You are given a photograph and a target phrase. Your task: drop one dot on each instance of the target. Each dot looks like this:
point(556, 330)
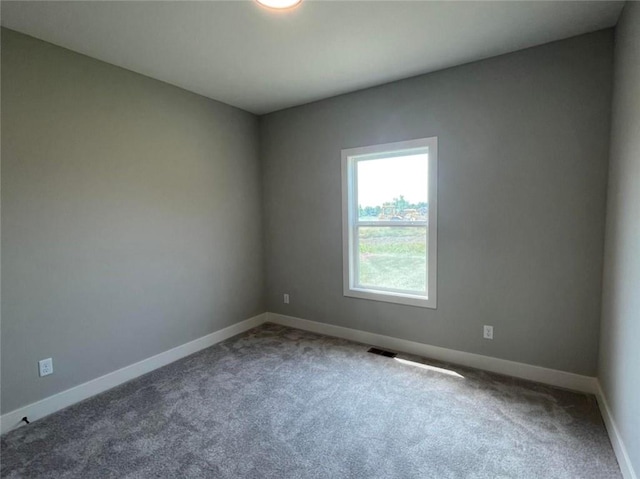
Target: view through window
point(389, 201)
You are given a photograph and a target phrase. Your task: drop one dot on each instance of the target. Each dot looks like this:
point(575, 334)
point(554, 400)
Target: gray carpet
point(282, 403)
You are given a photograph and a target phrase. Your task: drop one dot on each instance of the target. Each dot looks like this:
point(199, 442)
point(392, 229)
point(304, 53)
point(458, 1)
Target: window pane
point(393, 258)
point(393, 188)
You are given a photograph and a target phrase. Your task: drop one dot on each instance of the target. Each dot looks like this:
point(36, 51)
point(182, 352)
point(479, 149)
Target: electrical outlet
point(286, 298)
point(45, 366)
point(488, 332)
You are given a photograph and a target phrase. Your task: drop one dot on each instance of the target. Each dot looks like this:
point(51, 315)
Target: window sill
point(397, 298)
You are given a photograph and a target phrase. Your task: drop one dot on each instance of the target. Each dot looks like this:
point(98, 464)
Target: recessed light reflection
point(449, 372)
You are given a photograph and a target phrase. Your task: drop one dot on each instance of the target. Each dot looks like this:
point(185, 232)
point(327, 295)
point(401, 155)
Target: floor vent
point(382, 352)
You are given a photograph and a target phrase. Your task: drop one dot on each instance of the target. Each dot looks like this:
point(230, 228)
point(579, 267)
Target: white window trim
point(349, 217)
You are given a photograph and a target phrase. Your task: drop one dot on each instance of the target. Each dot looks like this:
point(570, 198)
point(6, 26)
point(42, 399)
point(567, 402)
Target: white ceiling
point(242, 54)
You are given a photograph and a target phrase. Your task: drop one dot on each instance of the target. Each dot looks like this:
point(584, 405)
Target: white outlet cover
point(286, 298)
point(45, 367)
point(488, 332)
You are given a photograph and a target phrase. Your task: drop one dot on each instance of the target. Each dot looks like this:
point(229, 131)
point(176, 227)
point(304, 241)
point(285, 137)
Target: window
point(389, 208)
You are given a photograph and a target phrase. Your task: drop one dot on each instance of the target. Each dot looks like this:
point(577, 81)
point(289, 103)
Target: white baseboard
point(83, 391)
point(539, 374)
point(614, 435)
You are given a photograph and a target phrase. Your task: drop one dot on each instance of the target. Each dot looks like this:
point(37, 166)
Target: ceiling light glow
point(279, 4)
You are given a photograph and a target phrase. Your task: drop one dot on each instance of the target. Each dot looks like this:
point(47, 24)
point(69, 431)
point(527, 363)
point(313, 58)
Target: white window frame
point(350, 220)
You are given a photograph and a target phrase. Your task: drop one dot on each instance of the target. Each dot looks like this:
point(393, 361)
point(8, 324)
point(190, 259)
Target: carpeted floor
point(282, 403)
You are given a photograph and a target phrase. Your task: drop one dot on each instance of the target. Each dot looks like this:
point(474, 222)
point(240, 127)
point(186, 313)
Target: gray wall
point(619, 368)
point(131, 217)
point(523, 148)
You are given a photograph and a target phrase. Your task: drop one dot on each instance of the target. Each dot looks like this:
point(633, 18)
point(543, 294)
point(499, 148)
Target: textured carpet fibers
point(282, 403)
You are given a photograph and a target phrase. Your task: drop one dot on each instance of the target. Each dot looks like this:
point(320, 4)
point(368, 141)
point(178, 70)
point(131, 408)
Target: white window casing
point(352, 223)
